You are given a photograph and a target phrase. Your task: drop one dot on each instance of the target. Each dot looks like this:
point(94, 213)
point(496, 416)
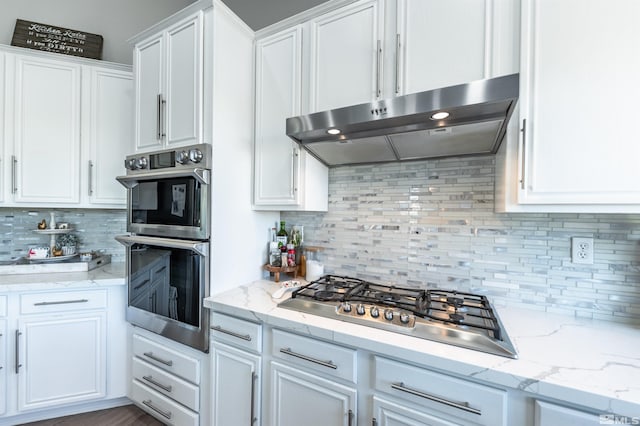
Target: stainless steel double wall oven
point(167, 251)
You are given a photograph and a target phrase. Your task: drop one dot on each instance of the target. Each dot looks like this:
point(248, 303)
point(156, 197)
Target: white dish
point(50, 259)
point(285, 287)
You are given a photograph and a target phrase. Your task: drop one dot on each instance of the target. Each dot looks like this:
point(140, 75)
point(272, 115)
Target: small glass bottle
point(282, 237)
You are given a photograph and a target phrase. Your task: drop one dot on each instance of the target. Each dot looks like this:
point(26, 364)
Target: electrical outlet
point(582, 250)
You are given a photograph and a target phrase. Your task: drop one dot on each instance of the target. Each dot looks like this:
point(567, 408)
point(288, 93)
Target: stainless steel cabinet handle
point(253, 418)
point(18, 365)
point(165, 414)
point(153, 381)
point(460, 405)
point(160, 360)
point(378, 70)
point(398, 63)
point(374, 422)
point(246, 337)
point(14, 177)
point(350, 418)
point(159, 116)
point(524, 141)
point(328, 364)
point(90, 177)
point(62, 302)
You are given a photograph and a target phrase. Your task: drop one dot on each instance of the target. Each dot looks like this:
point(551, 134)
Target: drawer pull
point(142, 284)
point(153, 381)
point(62, 302)
point(165, 414)
point(160, 270)
point(253, 417)
point(155, 358)
point(460, 405)
point(328, 364)
point(246, 337)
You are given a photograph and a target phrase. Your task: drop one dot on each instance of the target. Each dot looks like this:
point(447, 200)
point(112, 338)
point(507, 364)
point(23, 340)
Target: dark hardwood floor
point(128, 415)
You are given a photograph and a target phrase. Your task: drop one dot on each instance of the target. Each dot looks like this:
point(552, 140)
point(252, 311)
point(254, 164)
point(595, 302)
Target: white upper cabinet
point(46, 130)
point(574, 148)
point(110, 133)
point(346, 56)
point(168, 80)
point(285, 177)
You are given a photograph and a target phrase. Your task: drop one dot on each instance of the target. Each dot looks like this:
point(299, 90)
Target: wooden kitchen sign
point(33, 35)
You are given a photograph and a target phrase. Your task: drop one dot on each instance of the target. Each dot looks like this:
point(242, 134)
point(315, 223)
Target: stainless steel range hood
point(403, 129)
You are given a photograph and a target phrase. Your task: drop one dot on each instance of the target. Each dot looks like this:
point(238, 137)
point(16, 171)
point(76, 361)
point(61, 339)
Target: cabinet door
point(46, 131)
point(346, 56)
point(147, 63)
point(387, 413)
point(579, 86)
point(183, 92)
point(236, 386)
point(297, 395)
point(62, 358)
point(442, 43)
point(547, 414)
point(4, 344)
point(5, 161)
point(278, 73)
point(110, 134)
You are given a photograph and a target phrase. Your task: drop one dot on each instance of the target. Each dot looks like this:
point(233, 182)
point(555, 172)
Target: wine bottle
point(282, 237)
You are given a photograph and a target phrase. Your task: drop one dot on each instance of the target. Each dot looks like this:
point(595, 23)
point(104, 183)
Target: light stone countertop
point(594, 364)
point(112, 274)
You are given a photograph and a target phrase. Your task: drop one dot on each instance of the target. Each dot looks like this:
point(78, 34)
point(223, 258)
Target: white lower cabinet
point(166, 379)
point(54, 354)
point(236, 371)
point(301, 397)
point(388, 413)
point(548, 414)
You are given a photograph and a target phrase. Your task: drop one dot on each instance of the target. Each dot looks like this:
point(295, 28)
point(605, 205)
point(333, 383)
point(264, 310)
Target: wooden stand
point(278, 270)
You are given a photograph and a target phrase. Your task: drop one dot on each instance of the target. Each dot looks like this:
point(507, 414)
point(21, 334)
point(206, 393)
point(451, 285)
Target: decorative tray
point(50, 259)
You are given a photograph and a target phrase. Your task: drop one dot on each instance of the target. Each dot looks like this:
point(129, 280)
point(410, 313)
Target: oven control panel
point(185, 157)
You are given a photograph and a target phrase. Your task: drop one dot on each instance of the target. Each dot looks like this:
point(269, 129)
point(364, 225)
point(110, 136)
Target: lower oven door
point(167, 280)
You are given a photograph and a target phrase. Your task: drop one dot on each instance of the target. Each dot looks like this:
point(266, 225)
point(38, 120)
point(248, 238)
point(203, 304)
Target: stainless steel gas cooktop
point(452, 317)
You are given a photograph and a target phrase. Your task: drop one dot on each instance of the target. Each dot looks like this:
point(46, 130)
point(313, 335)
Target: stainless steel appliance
point(453, 317)
point(169, 192)
point(466, 119)
point(167, 253)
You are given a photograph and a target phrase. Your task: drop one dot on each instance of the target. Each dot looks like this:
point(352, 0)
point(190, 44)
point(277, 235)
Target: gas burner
point(456, 302)
point(456, 318)
point(327, 295)
point(386, 297)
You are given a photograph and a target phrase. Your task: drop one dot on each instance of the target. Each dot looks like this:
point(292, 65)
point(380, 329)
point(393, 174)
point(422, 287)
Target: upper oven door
point(167, 283)
point(169, 203)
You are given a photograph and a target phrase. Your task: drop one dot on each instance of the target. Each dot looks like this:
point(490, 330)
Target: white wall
point(115, 20)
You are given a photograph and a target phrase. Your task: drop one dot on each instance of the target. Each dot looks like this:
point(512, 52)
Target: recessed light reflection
point(334, 131)
point(439, 115)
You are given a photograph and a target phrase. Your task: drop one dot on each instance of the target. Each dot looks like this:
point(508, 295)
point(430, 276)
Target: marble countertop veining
point(112, 274)
point(591, 363)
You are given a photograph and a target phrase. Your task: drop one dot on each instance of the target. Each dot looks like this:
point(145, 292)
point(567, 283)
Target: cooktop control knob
point(141, 163)
point(130, 164)
point(374, 311)
point(360, 309)
point(195, 155)
point(388, 314)
point(346, 306)
point(404, 317)
point(183, 157)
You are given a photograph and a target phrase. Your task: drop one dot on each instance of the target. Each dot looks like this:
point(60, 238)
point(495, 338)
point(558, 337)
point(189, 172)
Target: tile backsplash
point(432, 224)
point(95, 230)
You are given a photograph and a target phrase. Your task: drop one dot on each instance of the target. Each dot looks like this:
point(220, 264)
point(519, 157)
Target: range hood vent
point(404, 129)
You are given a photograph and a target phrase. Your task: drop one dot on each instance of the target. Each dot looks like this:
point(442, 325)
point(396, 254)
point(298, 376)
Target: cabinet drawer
point(236, 332)
point(62, 301)
point(167, 384)
point(3, 306)
point(466, 400)
point(161, 407)
point(321, 356)
point(167, 359)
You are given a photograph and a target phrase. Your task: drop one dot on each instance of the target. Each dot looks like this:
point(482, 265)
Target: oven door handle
point(201, 175)
point(202, 248)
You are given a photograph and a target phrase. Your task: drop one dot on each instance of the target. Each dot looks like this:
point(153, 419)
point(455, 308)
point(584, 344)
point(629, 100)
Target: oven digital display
point(162, 160)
